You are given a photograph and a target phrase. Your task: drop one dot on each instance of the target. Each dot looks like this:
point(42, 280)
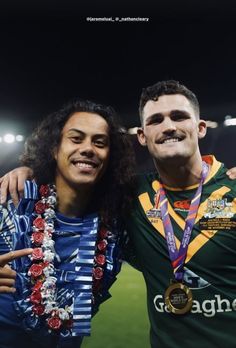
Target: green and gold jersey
point(210, 267)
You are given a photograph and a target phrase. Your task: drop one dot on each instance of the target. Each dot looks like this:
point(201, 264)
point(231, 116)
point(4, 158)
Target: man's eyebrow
point(172, 112)
point(153, 116)
point(179, 111)
point(71, 130)
point(75, 130)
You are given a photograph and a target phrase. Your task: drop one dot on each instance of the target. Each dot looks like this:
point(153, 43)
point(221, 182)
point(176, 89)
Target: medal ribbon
point(178, 257)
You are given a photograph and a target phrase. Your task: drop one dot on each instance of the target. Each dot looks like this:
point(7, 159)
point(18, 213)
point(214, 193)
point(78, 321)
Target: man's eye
point(180, 117)
point(154, 120)
point(100, 143)
point(76, 140)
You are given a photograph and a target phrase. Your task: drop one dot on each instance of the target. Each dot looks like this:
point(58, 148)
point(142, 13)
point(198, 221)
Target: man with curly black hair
point(70, 223)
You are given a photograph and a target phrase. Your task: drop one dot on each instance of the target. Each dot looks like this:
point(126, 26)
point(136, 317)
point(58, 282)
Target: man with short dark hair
point(183, 226)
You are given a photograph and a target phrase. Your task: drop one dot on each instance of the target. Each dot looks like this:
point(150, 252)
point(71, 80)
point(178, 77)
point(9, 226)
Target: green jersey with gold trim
point(210, 265)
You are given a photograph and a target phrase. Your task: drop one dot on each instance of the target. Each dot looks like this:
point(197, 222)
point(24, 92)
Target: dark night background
point(49, 53)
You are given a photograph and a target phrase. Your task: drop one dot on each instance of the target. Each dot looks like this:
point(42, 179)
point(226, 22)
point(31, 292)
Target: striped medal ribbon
point(178, 297)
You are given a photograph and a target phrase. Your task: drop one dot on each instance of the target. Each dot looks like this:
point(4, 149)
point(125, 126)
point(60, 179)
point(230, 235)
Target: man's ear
point(54, 153)
point(141, 137)
point(202, 129)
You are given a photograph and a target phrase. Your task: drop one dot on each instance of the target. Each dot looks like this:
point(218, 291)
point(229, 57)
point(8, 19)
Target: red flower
point(103, 233)
point(102, 245)
point(36, 297)
point(36, 270)
point(44, 190)
point(37, 254)
point(40, 207)
point(54, 323)
point(38, 309)
point(100, 259)
point(39, 223)
point(97, 272)
point(37, 238)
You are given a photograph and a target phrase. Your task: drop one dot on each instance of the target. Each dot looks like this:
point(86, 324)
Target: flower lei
point(41, 271)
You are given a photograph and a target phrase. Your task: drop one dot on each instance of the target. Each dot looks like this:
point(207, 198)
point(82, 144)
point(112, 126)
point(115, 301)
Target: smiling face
point(171, 129)
point(83, 153)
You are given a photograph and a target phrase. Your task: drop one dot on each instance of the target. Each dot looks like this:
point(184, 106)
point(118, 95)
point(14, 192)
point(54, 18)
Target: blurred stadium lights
point(229, 121)
point(133, 130)
point(19, 138)
point(211, 124)
point(10, 138)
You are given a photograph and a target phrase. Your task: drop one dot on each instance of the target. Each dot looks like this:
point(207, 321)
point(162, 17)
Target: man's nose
point(86, 148)
point(168, 125)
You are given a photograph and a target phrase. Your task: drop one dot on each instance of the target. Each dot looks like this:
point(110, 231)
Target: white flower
point(48, 255)
point(48, 243)
point(48, 270)
point(48, 294)
point(51, 200)
point(63, 315)
point(50, 283)
point(49, 226)
point(49, 213)
point(49, 307)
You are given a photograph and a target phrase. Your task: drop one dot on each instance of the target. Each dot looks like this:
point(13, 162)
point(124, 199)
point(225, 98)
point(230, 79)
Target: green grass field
point(122, 320)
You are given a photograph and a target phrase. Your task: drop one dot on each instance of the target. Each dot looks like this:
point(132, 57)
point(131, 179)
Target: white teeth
point(83, 165)
point(172, 140)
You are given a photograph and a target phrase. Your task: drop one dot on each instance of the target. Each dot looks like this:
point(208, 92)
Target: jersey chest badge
point(219, 215)
point(154, 213)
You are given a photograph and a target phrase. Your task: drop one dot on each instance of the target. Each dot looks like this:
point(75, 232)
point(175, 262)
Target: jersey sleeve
point(7, 231)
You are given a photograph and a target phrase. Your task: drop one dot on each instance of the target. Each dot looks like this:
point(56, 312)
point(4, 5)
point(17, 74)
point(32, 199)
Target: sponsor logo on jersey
point(193, 281)
point(182, 205)
point(207, 308)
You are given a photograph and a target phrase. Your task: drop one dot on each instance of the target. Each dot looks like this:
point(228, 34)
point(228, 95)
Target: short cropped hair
point(166, 88)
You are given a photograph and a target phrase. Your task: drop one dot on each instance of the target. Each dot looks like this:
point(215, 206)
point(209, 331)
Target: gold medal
point(178, 298)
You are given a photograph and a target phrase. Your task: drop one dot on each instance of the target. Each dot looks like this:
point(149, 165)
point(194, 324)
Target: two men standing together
point(186, 252)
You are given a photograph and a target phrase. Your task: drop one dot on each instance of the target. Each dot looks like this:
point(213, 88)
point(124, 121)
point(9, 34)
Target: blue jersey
point(75, 243)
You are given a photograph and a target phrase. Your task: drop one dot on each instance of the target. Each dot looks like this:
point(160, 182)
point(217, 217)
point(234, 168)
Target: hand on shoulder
point(232, 173)
point(13, 183)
